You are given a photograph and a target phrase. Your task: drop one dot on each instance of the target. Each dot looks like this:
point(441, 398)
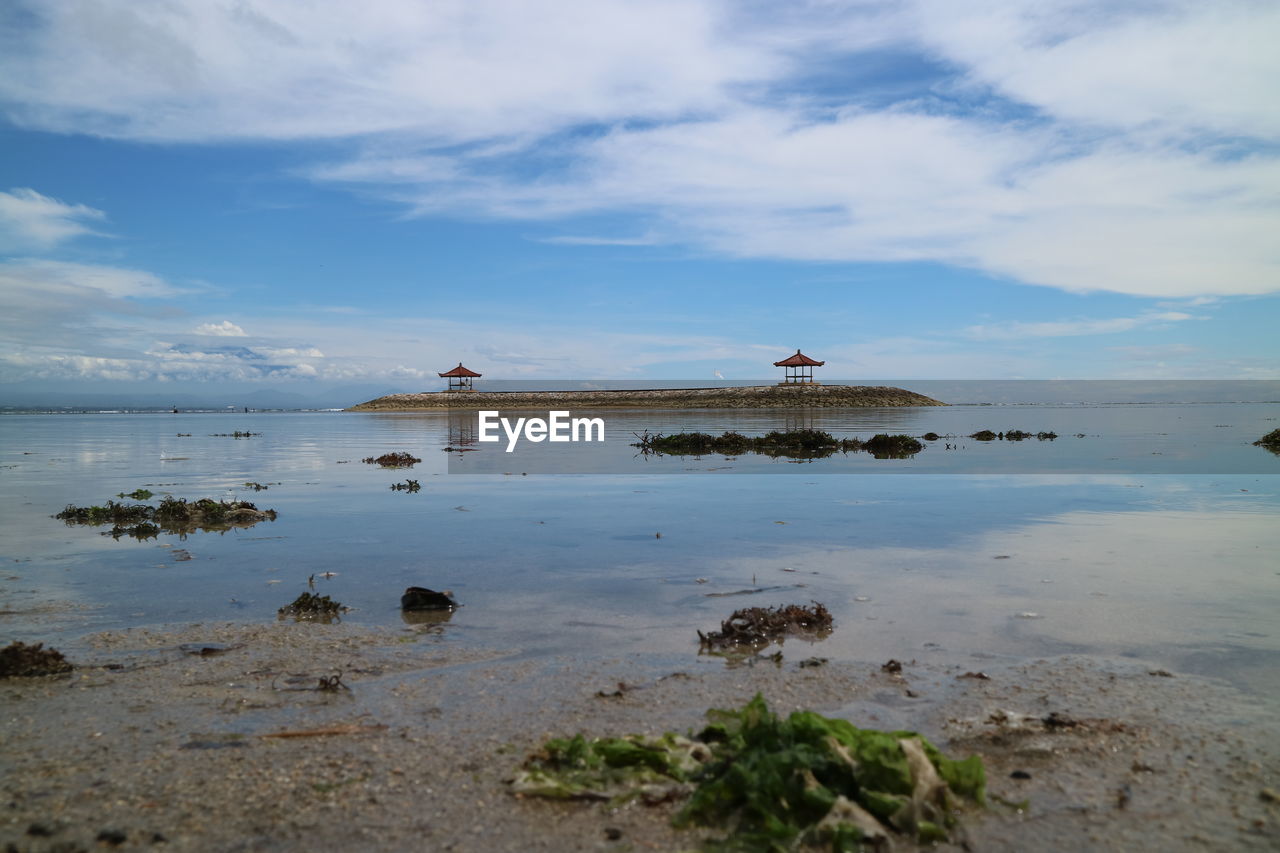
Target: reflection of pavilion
point(462, 429)
point(797, 419)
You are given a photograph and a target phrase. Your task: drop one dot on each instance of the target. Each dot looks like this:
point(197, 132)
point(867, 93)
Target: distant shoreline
point(747, 397)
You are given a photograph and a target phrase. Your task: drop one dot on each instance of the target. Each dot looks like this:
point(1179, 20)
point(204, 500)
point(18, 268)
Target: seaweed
point(311, 606)
point(756, 627)
point(112, 513)
point(883, 446)
point(799, 443)
point(393, 460)
point(652, 769)
point(406, 486)
point(138, 494)
point(236, 434)
point(21, 660)
point(1013, 435)
point(173, 515)
point(773, 783)
point(1270, 441)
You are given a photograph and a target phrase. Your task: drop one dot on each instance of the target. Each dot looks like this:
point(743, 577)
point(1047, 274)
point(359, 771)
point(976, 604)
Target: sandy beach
point(148, 744)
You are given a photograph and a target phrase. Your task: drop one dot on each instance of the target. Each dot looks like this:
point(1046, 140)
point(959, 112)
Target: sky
point(296, 194)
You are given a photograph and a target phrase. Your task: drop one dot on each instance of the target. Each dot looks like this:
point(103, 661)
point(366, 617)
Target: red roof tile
point(798, 360)
point(460, 371)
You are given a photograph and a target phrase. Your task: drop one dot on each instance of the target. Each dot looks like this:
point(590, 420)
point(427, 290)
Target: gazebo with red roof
point(799, 369)
point(460, 378)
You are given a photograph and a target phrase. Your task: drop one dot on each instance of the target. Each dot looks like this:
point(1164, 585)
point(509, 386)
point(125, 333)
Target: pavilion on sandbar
point(799, 369)
point(460, 378)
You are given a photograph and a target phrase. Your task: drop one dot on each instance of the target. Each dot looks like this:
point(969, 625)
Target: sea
point(1146, 530)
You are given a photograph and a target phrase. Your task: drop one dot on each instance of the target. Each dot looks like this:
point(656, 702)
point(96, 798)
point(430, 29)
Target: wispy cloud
point(1072, 328)
point(569, 240)
point(32, 221)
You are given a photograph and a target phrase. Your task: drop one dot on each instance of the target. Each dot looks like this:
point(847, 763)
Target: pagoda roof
point(459, 371)
point(798, 360)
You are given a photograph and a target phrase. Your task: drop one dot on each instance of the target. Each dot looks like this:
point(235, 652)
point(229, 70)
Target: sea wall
point(749, 397)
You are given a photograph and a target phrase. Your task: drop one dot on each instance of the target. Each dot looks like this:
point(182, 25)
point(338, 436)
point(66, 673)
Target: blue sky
point(290, 195)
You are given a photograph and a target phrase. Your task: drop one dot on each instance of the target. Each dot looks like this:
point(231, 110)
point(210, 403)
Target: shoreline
point(194, 751)
point(745, 397)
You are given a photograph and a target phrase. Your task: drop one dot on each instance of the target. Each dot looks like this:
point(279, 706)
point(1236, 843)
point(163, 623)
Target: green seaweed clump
point(20, 660)
point(773, 783)
point(138, 494)
point(312, 606)
point(173, 515)
point(1270, 441)
point(651, 769)
point(984, 435)
point(112, 513)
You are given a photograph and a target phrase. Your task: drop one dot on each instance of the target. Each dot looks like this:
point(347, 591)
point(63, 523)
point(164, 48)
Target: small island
point(747, 397)
point(797, 390)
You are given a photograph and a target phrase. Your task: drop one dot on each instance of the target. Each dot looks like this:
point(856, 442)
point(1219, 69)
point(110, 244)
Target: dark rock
point(112, 837)
point(421, 598)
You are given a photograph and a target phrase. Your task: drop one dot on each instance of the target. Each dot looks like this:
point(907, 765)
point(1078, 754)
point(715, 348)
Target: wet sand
point(150, 745)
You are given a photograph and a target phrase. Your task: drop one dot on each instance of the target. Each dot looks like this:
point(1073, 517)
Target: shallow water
point(954, 563)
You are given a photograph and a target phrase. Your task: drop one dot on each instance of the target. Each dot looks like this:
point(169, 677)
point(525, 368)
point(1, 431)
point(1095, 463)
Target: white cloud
point(48, 303)
point(1015, 201)
point(449, 70)
point(1177, 66)
point(30, 220)
point(1072, 328)
point(1077, 144)
point(224, 329)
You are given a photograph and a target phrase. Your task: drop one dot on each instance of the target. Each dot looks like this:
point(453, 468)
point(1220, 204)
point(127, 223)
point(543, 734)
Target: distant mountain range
point(979, 391)
point(192, 397)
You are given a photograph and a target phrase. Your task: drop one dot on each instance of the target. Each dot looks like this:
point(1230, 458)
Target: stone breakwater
point(749, 397)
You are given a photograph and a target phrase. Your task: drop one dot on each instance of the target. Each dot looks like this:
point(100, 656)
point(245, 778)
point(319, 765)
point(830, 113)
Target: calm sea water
point(1154, 535)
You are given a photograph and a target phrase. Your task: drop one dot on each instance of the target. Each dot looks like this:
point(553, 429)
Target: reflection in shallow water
point(1177, 570)
point(426, 617)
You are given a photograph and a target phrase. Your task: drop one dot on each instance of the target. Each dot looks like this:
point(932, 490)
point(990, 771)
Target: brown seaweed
point(21, 660)
point(756, 627)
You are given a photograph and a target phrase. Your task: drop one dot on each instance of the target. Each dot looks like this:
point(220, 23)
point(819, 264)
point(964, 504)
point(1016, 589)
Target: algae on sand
point(19, 660)
point(773, 783)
